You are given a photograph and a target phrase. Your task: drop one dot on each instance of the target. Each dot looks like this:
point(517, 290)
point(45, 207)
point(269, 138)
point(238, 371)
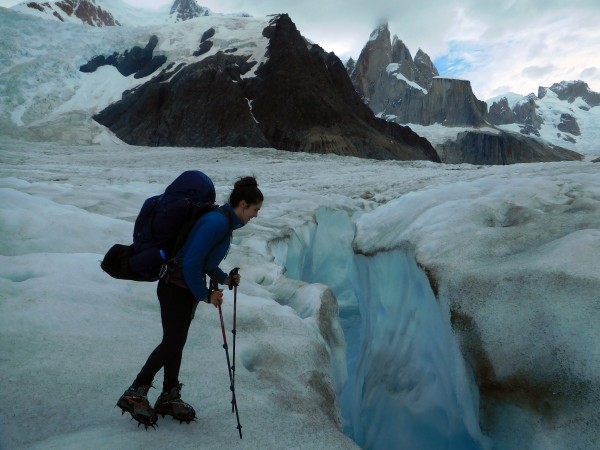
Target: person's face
point(248, 211)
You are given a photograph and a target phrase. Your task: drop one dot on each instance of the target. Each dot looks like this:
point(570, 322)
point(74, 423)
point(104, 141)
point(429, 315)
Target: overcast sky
point(500, 46)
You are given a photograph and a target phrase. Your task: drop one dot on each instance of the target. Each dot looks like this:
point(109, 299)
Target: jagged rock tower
point(407, 90)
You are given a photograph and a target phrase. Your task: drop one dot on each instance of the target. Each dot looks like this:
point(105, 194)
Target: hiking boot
point(135, 401)
point(170, 403)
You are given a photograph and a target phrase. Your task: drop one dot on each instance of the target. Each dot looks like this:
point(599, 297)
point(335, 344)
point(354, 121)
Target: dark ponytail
point(245, 188)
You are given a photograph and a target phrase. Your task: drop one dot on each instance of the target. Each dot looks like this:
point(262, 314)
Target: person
point(203, 251)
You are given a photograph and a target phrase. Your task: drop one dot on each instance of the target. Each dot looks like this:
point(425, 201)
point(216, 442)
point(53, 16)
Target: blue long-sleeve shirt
point(205, 248)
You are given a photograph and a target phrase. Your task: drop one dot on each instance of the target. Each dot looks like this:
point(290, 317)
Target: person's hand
point(216, 298)
point(232, 280)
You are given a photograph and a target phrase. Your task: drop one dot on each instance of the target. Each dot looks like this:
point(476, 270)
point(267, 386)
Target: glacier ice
point(406, 383)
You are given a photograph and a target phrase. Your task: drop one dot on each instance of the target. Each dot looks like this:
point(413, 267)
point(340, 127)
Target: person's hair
point(245, 188)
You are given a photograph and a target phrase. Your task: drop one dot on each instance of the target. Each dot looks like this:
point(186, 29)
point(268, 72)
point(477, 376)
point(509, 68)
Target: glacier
point(497, 262)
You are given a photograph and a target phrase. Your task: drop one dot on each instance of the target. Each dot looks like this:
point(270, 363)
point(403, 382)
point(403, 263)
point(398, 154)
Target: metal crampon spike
point(146, 425)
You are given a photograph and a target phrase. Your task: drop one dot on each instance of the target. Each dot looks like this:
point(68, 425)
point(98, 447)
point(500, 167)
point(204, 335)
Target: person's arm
point(206, 235)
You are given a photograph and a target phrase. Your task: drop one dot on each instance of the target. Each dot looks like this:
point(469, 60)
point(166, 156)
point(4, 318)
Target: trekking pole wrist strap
point(212, 286)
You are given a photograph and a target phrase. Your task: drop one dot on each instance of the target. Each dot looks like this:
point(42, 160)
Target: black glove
point(232, 281)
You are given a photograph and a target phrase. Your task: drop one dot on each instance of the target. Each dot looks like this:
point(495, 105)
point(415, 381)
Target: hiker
point(204, 249)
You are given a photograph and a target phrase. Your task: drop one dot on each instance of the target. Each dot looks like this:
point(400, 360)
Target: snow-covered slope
point(44, 96)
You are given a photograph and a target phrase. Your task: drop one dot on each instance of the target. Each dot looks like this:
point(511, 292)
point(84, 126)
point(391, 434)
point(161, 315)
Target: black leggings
point(176, 305)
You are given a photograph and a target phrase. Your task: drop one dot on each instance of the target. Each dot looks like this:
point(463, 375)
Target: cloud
point(590, 72)
point(499, 90)
point(539, 47)
point(537, 72)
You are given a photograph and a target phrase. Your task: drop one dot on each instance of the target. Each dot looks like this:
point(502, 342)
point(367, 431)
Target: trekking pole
point(233, 285)
point(231, 386)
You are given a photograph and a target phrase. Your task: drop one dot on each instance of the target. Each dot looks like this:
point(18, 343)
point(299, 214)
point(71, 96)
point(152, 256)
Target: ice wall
point(411, 386)
point(406, 384)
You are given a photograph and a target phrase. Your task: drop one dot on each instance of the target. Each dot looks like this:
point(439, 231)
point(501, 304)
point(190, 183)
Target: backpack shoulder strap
point(183, 235)
point(186, 228)
point(227, 214)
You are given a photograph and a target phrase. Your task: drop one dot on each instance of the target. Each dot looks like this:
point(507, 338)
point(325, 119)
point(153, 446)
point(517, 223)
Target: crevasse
point(406, 384)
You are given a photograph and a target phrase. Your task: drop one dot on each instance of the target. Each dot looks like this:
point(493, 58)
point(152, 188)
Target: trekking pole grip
point(232, 282)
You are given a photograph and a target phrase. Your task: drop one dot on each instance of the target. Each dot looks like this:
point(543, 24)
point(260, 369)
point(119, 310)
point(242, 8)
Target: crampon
point(135, 402)
point(170, 403)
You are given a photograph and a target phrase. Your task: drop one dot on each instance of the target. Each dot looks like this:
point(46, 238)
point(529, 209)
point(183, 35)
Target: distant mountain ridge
point(105, 13)
point(214, 80)
point(87, 11)
point(299, 99)
point(566, 113)
point(411, 92)
point(394, 86)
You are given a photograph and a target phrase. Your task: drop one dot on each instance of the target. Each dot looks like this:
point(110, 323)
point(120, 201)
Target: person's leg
point(175, 311)
point(176, 314)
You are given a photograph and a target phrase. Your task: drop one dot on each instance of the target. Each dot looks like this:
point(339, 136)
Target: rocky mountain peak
point(85, 10)
point(410, 91)
point(350, 65)
point(297, 98)
point(571, 90)
point(374, 58)
point(405, 90)
point(401, 56)
point(544, 115)
point(523, 113)
point(187, 9)
point(425, 70)
point(381, 33)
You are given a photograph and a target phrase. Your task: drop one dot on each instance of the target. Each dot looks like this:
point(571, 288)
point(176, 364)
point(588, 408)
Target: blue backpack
point(161, 228)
